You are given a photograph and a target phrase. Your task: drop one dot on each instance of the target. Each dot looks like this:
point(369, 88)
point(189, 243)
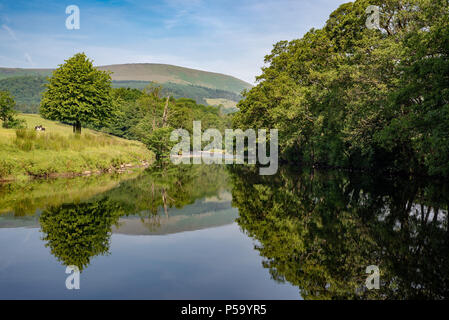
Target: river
point(217, 232)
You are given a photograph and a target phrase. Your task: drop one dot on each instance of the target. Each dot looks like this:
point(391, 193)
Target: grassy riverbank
point(57, 151)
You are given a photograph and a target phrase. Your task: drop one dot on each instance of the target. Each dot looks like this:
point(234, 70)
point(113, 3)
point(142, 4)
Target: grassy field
point(227, 104)
point(27, 153)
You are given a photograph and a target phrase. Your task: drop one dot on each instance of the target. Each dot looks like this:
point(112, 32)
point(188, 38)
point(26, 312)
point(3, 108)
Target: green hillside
point(27, 91)
point(200, 94)
point(18, 72)
point(161, 73)
point(164, 73)
point(26, 85)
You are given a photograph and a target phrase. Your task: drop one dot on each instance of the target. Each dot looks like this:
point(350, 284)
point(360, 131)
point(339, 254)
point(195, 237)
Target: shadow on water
point(320, 230)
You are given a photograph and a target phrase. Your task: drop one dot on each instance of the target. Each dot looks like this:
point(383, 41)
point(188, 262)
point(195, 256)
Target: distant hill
point(27, 91)
point(18, 72)
point(161, 73)
point(164, 73)
point(202, 95)
point(26, 85)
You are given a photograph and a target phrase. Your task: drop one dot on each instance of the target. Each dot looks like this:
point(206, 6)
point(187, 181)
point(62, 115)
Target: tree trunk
point(154, 117)
point(164, 117)
point(77, 127)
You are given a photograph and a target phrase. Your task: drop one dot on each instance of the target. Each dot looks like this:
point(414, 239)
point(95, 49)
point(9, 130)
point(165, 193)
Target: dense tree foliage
point(78, 93)
point(7, 104)
point(149, 116)
point(320, 230)
point(177, 90)
point(350, 96)
point(7, 112)
point(26, 90)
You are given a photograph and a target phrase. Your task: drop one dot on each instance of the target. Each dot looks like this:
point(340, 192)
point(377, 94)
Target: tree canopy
point(349, 96)
point(7, 112)
point(149, 116)
point(7, 104)
point(78, 93)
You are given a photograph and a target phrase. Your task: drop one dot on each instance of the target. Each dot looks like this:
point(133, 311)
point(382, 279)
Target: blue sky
point(226, 36)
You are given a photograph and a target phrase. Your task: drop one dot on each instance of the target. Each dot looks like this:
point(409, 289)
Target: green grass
point(229, 105)
point(27, 153)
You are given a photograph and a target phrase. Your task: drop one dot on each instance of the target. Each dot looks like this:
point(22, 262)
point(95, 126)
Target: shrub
point(26, 134)
point(5, 168)
point(14, 123)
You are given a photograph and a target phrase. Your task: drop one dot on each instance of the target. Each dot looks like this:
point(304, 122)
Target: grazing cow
point(39, 128)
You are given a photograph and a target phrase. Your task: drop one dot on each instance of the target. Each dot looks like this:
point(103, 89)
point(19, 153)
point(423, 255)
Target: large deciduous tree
point(350, 96)
point(78, 93)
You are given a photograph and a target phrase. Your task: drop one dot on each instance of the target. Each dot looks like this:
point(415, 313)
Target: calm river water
point(215, 232)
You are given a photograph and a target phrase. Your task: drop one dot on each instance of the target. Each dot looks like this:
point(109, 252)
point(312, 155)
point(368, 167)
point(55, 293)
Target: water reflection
point(320, 230)
point(78, 216)
point(77, 232)
point(317, 231)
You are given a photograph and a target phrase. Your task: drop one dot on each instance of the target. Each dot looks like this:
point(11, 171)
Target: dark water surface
point(211, 232)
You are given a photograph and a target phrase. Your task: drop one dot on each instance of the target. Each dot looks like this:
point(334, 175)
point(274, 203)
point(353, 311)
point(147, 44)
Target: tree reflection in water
point(78, 231)
point(320, 230)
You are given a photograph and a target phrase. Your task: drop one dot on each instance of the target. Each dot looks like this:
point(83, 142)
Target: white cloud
point(10, 31)
point(229, 37)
